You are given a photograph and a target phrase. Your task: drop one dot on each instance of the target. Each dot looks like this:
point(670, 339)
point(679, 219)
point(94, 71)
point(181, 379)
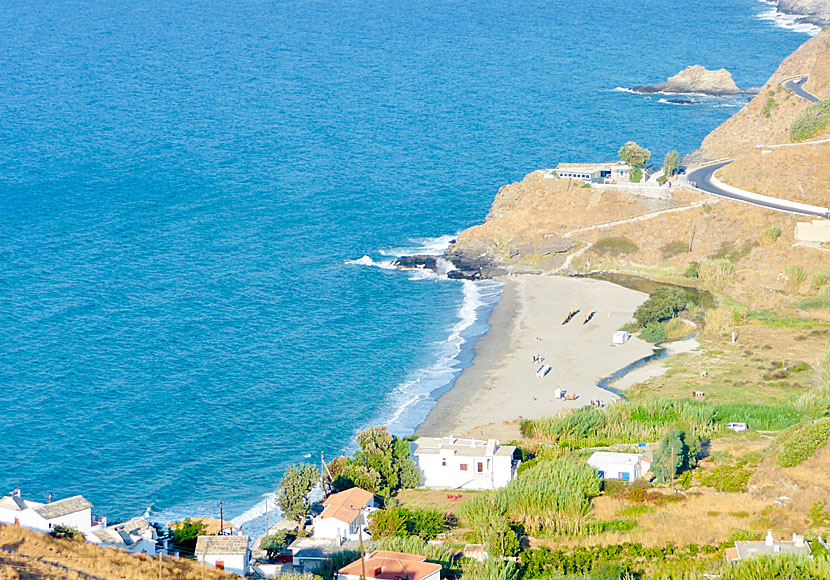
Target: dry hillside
point(30, 555)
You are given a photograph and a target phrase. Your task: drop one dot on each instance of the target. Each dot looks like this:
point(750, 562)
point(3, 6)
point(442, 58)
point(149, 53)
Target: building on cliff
point(451, 463)
point(610, 172)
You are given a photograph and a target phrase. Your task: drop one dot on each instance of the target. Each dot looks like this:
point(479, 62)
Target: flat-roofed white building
point(612, 171)
point(452, 463)
point(624, 466)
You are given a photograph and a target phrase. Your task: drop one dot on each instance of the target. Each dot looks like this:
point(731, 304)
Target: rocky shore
point(813, 11)
point(699, 80)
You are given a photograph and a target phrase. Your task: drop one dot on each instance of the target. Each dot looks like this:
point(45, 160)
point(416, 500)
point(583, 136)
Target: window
point(443, 462)
point(488, 465)
point(480, 467)
point(463, 467)
point(220, 565)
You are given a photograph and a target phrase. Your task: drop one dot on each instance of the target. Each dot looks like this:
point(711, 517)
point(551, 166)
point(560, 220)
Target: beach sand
point(501, 387)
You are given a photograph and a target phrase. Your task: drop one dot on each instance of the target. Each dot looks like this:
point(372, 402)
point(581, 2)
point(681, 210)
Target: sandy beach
point(501, 387)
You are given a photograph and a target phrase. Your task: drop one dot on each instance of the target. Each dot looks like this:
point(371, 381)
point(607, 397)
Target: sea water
point(199, 203)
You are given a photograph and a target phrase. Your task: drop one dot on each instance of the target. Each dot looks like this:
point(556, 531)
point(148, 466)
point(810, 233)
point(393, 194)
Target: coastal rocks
point(696, 79)
point(410, 262)
point(812, 11)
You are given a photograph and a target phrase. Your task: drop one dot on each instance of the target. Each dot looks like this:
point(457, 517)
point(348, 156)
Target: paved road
point(796, 85)
point(701, 178)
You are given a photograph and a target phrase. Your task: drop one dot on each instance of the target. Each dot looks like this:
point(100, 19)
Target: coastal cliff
point(814, 11)
point(695, 79)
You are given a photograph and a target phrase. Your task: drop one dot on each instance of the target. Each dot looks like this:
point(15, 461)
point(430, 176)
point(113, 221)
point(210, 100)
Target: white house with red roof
point(385, 565)
point(345, 515)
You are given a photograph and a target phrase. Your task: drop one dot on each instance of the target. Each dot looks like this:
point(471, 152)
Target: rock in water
point(428, 262)
point(696, 79)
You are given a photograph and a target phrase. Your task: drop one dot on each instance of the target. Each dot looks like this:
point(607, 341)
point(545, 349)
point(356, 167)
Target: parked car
point(736, 427)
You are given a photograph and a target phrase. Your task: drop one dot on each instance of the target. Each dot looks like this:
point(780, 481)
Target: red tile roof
point(346, 505)
point(391, 566)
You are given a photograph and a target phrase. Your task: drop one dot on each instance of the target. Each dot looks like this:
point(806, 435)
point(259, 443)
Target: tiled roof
point(391, 566)
point(221, 545)
point(346, 505)
point(732, 554)
point(62, 507)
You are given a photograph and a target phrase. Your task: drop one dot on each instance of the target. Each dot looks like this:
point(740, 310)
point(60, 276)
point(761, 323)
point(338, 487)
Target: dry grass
point(35, 556)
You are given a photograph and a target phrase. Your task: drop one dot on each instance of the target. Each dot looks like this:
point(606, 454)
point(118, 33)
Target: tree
point(186, 532)
point(663, 304)
point(382, 465)
point(672, 457)
point(633, 154)
point(670, 163)
point(292, 495)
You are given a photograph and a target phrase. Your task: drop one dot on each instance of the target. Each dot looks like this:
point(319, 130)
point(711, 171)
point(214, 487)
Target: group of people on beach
point(537, 358)
point(597, 403)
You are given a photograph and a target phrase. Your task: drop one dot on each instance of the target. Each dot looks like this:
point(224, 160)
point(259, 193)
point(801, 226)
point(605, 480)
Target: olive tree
point(633, 154)
point(292, 495)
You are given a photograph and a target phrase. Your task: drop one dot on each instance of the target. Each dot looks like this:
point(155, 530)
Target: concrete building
point(73, 512)
point(308, 554)
point(816, 231)
point(610, 172)
point(769, 547)
point(345, 516)
point(623, 466)
point(390, 566)
point(451, 463)
point(229, 553)
point(135, 536)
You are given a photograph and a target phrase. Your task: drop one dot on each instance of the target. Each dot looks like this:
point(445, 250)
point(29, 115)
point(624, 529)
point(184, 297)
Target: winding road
point(796, 85)
point(703, 178)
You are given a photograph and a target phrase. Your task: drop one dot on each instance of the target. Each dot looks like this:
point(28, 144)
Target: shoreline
point(501, 388)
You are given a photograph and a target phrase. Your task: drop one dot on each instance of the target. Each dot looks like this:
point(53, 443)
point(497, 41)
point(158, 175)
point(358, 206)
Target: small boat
point(543, 370)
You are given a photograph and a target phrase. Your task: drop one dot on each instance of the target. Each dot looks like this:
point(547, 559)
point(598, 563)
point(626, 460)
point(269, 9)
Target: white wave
point(421, 247)
point(789, 21)
point(729, 105)
point(368, 261)
point(258, 511)
point(410, 401)
point(625, 90)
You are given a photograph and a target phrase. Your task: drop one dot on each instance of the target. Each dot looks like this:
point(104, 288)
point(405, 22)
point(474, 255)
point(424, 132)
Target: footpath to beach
point(501, 386)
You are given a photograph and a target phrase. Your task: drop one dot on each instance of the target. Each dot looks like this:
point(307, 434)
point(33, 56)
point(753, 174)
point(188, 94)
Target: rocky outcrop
point(696, 79)
point(812, 11)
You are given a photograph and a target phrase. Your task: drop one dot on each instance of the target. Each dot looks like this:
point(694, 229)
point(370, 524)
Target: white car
point(736, 427)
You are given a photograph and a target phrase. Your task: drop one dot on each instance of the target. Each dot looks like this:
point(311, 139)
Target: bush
point(769, 235)
point(636, 175)
point(727, 478)
point(820, 279)
point(810, 121)
point(614, 246)
point(61, 531)
point(693, 271)
point(654, 332)
point(663, 304)
point(803, 442)
point(186, 532)
point(796, 275)
point(716, 272)
point(769, 106)
point(674, 248)
point(276, 543)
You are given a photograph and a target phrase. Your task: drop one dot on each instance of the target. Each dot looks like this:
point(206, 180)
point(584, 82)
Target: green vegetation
point(381, 465)
point(674, 456)
point(796, 275)
point(654, 332)
point(636, 175)
point(633, 154)
point(769, 105)
point(438, 553)
point(810, 121)
point(803, 442)
point(674, 248)
point(62, 531)
point(295, 485)
point(780, 567)
point(400, 521)
point(716, 272)
point(769, 235)
point(185, 534)
point(662, 304)
point(693, 270)
point(614, 246)
point(728, 251)
point(820, 279)
point(277, 542)
point(670, 163)
point(487, 516)
point(824, 368)
point(490, 569)
point(728, 475)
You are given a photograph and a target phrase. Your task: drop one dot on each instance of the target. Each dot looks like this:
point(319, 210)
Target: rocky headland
point(698, 80)
point(813, 11)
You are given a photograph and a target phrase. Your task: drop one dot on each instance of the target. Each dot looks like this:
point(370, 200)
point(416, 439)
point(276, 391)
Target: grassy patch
point(674, 248)
point(614, 246)
point(776, 320)
point(810, 121)
point(800, 445)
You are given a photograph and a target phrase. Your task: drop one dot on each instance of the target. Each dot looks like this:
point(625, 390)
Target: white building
point(769, 547)
point(390, 566)
point(624, 466)
point(610, 172)
point(451, 463)
point(229, 553)
point(345, 515)
point(73, 512)
point(135, 536)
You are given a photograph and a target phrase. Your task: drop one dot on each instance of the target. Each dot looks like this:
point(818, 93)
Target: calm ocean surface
point(188, 191)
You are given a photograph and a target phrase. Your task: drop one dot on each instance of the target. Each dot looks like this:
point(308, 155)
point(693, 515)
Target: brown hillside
point(750, 126)
point(30, 555)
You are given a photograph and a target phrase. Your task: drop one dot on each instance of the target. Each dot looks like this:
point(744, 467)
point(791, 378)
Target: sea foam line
point(788, 21)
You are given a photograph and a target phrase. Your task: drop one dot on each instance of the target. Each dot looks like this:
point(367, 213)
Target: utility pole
point(362, 552)
point(221, 518)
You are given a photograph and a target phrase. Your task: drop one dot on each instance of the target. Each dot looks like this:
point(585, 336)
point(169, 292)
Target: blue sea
point(200, 201)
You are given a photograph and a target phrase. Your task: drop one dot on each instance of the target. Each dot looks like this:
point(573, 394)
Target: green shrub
point(277, 542)
point(654, 332)
point(769, 106)
point(796, 275)
point(769, 235)
point(757, 417)
point(614, 246)
point(727, 478)
point(62, 531)
point(399, 521)
point(716, 272)
point(693, 271)
point(820, 279)
point(803, 442)
point(662, 304)
point(636, 175)
point(810, 121)
point(674, 248)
